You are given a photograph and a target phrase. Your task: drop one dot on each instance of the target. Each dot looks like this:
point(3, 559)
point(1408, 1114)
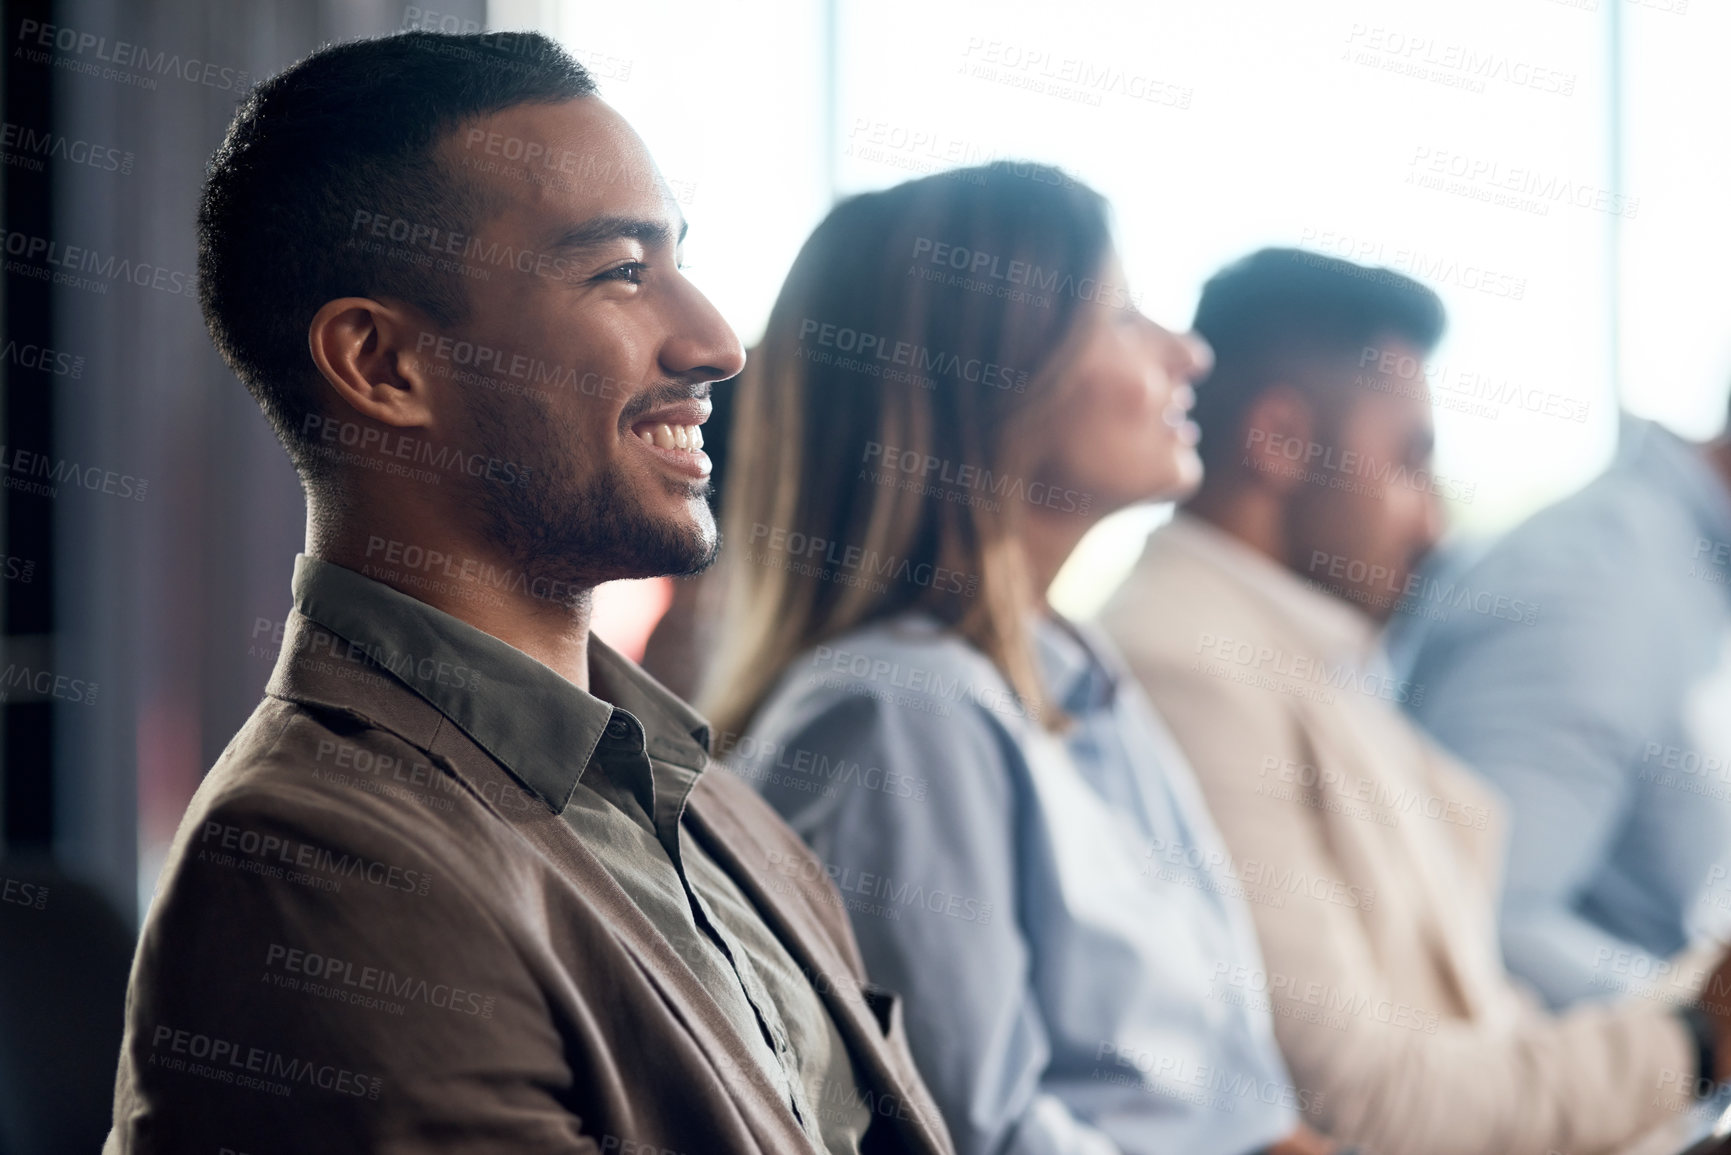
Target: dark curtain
point(161, 547)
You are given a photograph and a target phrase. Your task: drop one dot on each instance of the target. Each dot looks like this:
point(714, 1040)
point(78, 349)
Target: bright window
point(1468, 144)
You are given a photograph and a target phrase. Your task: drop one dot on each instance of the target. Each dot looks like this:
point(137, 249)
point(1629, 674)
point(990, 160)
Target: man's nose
point(702, 346)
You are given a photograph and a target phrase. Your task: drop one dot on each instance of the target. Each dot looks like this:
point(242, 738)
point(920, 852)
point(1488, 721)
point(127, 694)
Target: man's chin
point(1187, 474)
point(700, 559)
point(603, 535)
point(1373, 603)
point(675, 547)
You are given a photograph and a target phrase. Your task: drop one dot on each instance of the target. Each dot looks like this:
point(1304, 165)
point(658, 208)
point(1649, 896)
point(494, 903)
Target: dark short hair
point(352, 128)
point(1278, 310)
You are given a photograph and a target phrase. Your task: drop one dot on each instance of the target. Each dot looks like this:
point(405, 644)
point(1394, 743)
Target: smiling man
point(464, 882)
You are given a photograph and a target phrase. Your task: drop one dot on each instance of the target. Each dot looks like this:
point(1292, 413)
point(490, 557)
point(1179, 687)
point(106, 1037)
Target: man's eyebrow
point(600, 230)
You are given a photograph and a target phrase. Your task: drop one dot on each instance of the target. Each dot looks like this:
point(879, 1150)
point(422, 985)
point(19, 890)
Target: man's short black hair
point(351, 129)
point(1278, 312)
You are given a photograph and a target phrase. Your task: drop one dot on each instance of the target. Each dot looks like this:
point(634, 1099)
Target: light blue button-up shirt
point(1602, 709)
point(1058, 910)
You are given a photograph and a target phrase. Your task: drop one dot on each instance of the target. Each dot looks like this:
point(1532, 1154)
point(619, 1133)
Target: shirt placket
point(775, 1031)
point(665, 808)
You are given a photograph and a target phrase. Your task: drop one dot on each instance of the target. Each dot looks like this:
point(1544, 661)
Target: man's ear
point(1279, 440)
point(366, 351)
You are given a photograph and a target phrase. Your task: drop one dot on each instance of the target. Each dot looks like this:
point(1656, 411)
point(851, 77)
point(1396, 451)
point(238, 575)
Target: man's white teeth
point(667, 436)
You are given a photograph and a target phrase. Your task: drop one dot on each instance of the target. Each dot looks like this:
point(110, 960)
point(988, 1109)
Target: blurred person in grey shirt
point(1603, 713)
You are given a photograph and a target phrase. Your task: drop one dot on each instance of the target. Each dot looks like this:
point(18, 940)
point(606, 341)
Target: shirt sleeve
point(338, 1006)
point(1541, 705)
point(916, 824)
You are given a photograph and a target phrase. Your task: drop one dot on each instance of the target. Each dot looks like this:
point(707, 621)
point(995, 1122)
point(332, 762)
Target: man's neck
point(1251, 518)
point(473, 583)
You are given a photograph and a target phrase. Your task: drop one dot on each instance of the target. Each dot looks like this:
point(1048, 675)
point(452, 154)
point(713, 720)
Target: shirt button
point(617, 728)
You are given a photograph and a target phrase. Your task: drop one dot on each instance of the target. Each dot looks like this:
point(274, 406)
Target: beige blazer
point(1370, 861)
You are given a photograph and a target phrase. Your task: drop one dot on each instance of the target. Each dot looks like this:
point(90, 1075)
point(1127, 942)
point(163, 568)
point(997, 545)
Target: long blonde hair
point(877, 458)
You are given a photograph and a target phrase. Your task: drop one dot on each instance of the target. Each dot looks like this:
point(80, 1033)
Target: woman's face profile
point(1120, 432)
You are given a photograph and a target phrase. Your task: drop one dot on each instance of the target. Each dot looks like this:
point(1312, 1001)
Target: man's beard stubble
point(553, 525)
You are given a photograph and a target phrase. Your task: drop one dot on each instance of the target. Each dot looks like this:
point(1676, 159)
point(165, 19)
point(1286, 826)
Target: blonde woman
point(954, 386)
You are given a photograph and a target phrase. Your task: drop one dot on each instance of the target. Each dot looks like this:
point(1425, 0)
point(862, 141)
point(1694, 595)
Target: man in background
point(1603, 714)
point(1370, 857)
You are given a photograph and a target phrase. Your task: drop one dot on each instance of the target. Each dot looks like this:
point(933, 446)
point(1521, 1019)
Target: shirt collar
point(1338, 630)
point(538, 724)
point(1075, 666)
